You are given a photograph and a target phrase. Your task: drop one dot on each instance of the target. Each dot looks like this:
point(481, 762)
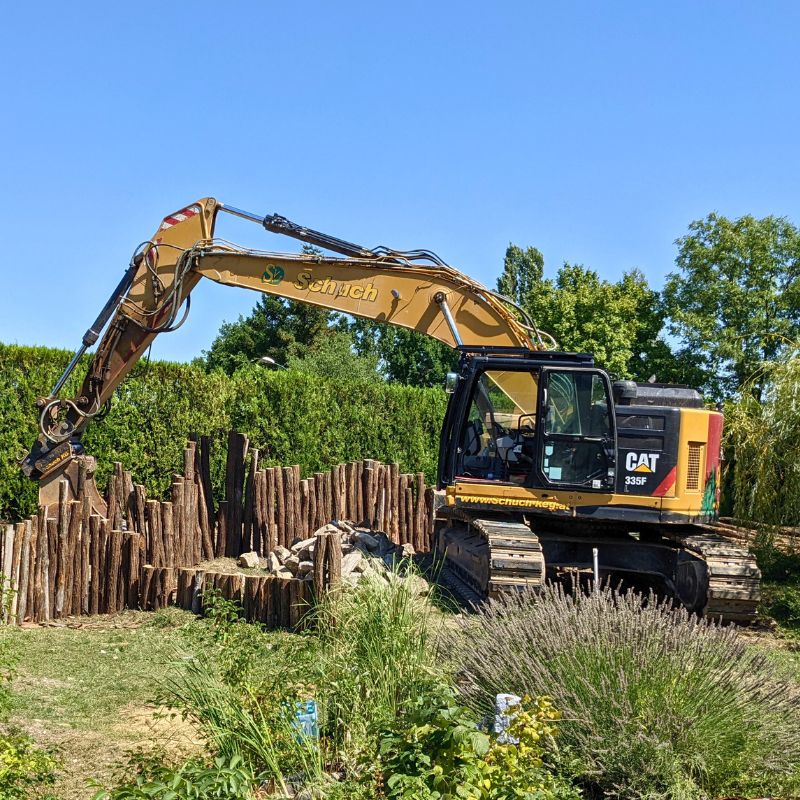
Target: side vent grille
point(693, 469)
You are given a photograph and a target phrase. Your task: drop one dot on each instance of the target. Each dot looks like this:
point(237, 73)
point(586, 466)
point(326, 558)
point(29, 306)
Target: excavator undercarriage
point(692, 565)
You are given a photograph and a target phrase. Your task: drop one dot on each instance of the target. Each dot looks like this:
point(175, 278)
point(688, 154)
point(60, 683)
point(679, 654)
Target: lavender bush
point(657, 703)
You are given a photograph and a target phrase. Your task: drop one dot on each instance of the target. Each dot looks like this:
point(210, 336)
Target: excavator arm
point(415, 290)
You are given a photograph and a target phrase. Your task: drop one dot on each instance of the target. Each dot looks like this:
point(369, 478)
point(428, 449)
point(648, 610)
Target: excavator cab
point(530, 419)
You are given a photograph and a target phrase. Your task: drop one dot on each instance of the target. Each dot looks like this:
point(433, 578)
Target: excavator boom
point(414, 290)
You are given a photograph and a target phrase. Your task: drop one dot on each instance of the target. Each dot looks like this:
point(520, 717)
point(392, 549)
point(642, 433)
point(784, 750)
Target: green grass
point(88, 691)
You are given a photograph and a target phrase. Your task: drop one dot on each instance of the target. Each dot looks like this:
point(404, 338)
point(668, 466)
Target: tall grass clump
point(656, 703)
point(377, 651)
point(763, 435)
point(369, 651)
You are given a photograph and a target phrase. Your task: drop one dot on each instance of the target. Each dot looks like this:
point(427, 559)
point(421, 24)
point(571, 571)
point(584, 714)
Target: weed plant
point(376, 653)
point(370, 651)
point(656, 703)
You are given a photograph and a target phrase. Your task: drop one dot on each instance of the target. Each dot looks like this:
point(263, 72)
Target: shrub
point(25, 769)
point(439, 753)
point(240, 690)
point(220, 779)
point(763, 434)
point(292, 417)
point(656, 703)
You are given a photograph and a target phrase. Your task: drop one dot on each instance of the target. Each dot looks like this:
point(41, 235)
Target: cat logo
point(641, 462)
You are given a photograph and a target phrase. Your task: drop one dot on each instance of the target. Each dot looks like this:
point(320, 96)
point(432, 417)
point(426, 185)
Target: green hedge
point(292, 418)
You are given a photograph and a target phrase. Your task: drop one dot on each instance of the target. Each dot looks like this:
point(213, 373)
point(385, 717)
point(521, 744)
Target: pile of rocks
point(364, 551)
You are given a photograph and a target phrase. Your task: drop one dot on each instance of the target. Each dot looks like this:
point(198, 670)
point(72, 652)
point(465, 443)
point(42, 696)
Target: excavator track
point(486, 556)
point(734, 579)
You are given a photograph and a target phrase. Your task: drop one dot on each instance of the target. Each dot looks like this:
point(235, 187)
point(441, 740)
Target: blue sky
point(594, 131)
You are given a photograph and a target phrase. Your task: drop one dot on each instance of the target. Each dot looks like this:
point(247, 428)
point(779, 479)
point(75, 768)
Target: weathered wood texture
point(65, 560)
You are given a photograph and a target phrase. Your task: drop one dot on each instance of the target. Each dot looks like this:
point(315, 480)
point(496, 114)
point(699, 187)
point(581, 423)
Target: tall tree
point(274, 328)
point(404, 356)
point(618, 322)
point(734, 302)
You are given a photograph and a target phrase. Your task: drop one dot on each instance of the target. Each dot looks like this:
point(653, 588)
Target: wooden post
point(250, 492)
point(155, 553)
point(8, 559)
point(168, 533)
point(280, 507)
point(429, 519)
point(129, 493)
point(401, 510)
point(368, 483)
point(114, 565)
point(350, 502)
point(86, 556)
point(272, 533)
point(25, 572)
point(312, 506)
point(74, 588)
point(197, 592)
point(394, 487)
point(146, 591)
point(94, 564)
point(320, 564)
point(206, 532)
point(319, 499)
point(222, 529)
point(288, 489)
point(103, 571)
point(328, 496)
point(358, 475)
point(112, 499)
point(42, 580)
point(174, 544)
point(334, 560)
point(59, 564)
point(409, 511)
point(299, 528)
point(16, 567)
point(420, 526)
point(304, 508)
point(338, 511)
point(141, 503)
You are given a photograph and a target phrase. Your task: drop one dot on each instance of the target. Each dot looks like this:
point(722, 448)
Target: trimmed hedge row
point(292, 418)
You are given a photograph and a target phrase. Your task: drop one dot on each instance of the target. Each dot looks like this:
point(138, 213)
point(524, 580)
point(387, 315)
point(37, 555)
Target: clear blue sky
point(595, 131)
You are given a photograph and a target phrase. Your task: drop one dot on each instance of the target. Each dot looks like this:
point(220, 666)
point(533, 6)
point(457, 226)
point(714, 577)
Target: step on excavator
point(544, 462)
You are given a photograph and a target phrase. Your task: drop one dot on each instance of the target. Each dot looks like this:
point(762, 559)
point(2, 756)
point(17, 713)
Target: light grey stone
point(273, 563)
point(282, 552)
point(249, 560)
point(350, 562)
point(304, 567)
point(292, 564)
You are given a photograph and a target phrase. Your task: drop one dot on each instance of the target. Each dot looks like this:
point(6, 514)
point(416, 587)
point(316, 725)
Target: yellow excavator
point(547, 469)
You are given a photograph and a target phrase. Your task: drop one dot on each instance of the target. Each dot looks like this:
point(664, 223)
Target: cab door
point(577, 442)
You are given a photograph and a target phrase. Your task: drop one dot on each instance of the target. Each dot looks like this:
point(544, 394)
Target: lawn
point(87, 689)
